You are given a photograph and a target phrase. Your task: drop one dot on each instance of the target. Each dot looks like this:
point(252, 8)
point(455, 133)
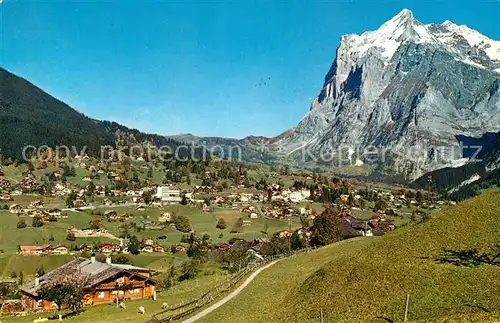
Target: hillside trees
point(326, 227)
point(221, 224)
point(380, 205)
point(37, 222)
point(182, 223)
point(238, 226)
point(21, 224)
point(68, 290)
point(134, 245)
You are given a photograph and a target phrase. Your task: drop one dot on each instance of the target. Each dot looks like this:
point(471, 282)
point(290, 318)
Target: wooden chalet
point(109, 247)
point(106, 283)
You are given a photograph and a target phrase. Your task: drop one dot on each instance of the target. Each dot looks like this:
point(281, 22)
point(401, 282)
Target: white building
point(298, 196)
point(168, 195)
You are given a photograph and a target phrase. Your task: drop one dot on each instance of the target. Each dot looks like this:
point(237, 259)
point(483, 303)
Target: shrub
point(121, 259)
point(221, 224)
point(21, 224)
point(182, 223)
point(37, 222)
point(237, 226)
point(380, 205)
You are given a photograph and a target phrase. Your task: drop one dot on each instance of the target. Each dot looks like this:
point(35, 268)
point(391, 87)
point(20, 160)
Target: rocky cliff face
point(407, 89)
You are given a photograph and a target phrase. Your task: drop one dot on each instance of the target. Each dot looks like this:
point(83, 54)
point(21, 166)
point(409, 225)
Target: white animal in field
point(142, 310)
point(164, 306)
point(123, 306)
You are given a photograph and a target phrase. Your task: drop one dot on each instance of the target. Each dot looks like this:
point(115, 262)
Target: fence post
point(321, 318)
point(407, 303)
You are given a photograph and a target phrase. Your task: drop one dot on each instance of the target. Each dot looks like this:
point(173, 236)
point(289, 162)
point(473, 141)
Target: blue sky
point(232, 68)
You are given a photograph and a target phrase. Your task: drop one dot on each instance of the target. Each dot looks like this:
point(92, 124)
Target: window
point(100, 294)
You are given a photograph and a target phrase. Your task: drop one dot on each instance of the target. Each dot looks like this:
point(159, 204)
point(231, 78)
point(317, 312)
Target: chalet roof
point(40, 247)
point(26, 248)
point(95, 272)
point(105, 244)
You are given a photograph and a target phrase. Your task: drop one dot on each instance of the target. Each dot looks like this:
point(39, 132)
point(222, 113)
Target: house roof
point(95, 272)
point(41, 247)
point(102, 245)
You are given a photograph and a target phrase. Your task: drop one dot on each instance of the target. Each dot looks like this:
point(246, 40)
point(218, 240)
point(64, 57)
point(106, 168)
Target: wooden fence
point(186, 309)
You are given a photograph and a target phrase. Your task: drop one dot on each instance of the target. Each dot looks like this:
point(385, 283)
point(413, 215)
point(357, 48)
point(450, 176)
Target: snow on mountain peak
point(392, 34)
point(460, 41)
point(403, 16)
point(474, 38)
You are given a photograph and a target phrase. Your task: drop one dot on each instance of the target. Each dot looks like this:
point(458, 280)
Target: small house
point(109, 248)
point(37, 204)
point(15, 209)
point(178, 248)
point(284, 234)
point(55, 212)
point(158, 249)
point(111, 214)
point(224, 246)
point(165, 217)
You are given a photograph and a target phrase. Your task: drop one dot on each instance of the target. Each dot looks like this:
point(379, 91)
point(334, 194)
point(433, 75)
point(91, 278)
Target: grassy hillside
point(29, 116)
point(367, 279)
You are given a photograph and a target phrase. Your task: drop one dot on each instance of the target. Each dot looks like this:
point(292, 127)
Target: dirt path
point(228, 297)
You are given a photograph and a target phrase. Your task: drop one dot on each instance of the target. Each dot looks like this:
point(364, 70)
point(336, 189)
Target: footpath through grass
point(366, 279)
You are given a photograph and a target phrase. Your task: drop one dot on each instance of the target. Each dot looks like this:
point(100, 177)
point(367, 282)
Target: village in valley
point(156, 226)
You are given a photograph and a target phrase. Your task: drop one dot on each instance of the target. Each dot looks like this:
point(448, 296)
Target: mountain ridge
point(31, 117)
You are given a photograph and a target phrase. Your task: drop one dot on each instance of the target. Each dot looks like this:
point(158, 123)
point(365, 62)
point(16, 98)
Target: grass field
point(49, 201)
point(200, 223)
point(402, 218)
point(11, 237)
point(365, 279)
point(29, 265)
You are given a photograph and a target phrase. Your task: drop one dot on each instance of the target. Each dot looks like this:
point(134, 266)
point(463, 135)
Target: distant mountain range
point(471, 178)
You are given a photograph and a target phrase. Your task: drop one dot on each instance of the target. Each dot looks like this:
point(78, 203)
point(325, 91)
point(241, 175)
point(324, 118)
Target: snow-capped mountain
point(408, 89)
